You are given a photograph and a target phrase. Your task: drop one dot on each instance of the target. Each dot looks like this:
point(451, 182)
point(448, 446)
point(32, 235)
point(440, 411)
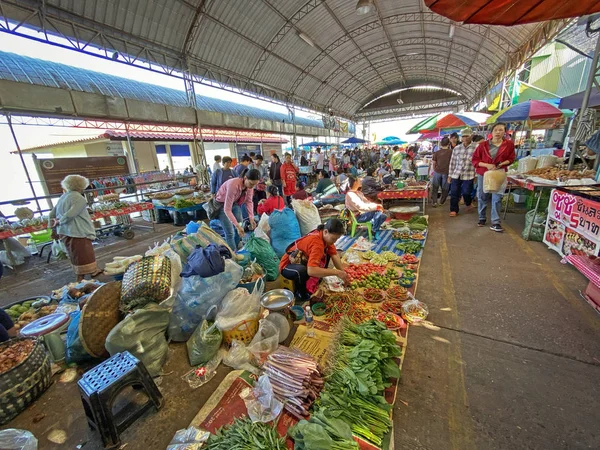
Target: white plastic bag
point(238, 357)
point(307, 215)
point(260, 401)
point(59, 250)
point(527, 164)
point(495, 181)
point(14, 439)
point(263, 230)
point(239, 305)
point(264, 342)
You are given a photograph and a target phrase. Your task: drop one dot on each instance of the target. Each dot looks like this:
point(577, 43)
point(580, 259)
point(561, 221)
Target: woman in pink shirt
point(232, 195)
point(364, 209)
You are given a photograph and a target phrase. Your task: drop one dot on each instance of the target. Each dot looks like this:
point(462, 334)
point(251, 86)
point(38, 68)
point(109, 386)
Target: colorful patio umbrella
point(529, 110)
point(511, 12)
point(391, 138)
point(452, 120)
point(354, 140)
point(391, 142)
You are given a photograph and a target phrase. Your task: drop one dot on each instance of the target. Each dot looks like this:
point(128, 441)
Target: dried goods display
point(554, 173)
point(14, 353)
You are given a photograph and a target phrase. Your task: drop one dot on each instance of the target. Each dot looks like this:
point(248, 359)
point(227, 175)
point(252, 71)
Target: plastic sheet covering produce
point(546, 161)
point(197, 295)
point(142, 333)
point(284, 230)
point(494, 181)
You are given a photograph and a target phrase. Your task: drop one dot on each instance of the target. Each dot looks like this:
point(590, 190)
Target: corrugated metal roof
point(46, 73)
point(207, 136)
point(255, 45)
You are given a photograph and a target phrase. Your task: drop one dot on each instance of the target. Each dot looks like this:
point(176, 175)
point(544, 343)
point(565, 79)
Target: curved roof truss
point(255, 45)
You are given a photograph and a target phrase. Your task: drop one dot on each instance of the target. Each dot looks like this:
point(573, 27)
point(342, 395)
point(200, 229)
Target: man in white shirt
point(320, 159)
point(217, 164)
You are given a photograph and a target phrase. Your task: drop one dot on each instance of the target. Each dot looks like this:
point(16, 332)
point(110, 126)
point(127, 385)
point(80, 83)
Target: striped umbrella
point(529, 110)
point(452, 120)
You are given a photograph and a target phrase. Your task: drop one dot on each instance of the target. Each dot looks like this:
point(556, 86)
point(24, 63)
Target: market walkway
point(513, 360)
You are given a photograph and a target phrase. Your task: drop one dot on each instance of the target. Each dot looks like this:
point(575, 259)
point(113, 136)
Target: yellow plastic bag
point(494, 181)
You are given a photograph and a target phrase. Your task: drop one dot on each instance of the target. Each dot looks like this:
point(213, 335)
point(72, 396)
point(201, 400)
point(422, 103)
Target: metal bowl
point(277, 299)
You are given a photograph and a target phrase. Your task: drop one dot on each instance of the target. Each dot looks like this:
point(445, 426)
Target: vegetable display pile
point(379, 260)
point(391, 320)
point(395, 223)
point(400, 235)
point(410, 246)
point(322, 433)
point(181, 203)
point(243, 434)
point(13, 354)
point(357, 272)
point(393, 306)
point(361, 365)
point(410, 259)
point(372, 280)
point(295, 378)
point(373, 295)
point(340, 305)
point(417, 220)
point(369, 254)
point(417, 236)
point(397, 293)
point(390, 256)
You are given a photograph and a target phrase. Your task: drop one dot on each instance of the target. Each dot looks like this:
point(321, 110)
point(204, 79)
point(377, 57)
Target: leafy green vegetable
point(409, 247)
point(243, 434)
point(181, 203)
point(418, 219)
point(417, 226)
point(363, 362)
point(322, 433)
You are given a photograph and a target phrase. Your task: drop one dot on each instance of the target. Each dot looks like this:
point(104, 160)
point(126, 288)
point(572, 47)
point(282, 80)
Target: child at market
point(274, 201)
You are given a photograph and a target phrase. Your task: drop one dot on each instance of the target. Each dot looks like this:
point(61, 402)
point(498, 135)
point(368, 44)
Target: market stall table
point(179, 221)
point(407, 193)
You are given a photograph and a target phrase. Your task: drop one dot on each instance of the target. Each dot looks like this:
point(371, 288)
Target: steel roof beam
point(389, 39)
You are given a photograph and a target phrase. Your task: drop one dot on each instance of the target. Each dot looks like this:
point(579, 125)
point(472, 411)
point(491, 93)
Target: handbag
point(213, 208)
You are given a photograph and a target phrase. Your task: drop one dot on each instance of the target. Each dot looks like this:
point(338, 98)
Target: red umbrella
point(511, 12)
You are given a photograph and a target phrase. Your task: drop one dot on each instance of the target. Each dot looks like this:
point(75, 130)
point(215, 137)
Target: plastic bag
point(538, 228)
point(307, 215)
point(260, 401)
point(5, 260)
point(264, 342)
point(238, 357)
point(204, 343)
point(546, 161)
point(334, 283)
point(17, 249)
point(201, 375)
point(142, 333)
point(14, 439)
point(494, 181)
point(75, 353)
point(59, 250)
point(239, 305)
point(262, 251)
point(263, 229)
point(196, 296)
point(188, 439)
point(284, 230)
point(527, 164)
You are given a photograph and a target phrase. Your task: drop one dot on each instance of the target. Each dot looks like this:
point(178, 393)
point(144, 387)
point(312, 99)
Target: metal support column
point(292, 114)
point(12, 131)
point(131, 150)
point(594, 72)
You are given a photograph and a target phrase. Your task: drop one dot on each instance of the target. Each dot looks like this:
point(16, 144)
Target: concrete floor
point(511, 358)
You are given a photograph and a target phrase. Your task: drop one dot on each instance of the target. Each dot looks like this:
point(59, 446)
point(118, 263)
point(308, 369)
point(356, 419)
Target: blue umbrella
point(354, 140)
point(391, 138)
point(315, 144)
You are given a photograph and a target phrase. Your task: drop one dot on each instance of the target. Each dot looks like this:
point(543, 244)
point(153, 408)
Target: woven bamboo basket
point(243, 331)
point(25, 382)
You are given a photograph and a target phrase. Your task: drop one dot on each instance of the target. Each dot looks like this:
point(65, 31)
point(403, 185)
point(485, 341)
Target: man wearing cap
point(461, 172)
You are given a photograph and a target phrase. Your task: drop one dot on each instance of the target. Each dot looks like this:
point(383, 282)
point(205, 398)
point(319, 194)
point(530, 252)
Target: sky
point(14, 184)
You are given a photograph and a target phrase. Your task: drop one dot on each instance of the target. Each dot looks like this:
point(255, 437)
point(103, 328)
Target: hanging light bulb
point(364, 7)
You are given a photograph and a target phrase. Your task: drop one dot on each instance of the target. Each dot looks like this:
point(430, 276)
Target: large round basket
point(25, 382)
point(100, 315)
point(243, 331)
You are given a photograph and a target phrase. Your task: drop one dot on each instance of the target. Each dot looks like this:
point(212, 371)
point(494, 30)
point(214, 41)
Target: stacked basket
point(25, 382)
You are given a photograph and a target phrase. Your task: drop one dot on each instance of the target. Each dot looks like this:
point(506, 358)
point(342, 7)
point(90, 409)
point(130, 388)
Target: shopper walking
point(396, 160)
point(217, 164)
point(332, 164)
point(70, 222)
point(275, 172)
point(496, 154)
point(441, 165)
point(461, 172)
point(221, 175)
point(289, 173)
point(320, 159)
point(231, 196)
